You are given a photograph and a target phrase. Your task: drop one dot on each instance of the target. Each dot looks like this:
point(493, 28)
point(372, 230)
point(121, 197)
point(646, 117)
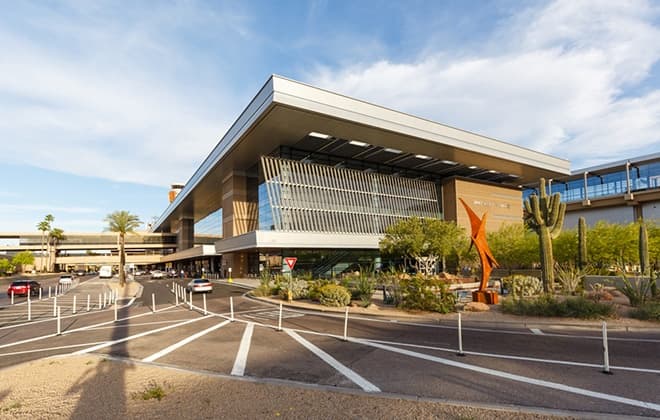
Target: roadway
point(554, 369)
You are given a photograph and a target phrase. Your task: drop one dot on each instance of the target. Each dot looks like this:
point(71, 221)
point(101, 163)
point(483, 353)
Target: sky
point(104, 104)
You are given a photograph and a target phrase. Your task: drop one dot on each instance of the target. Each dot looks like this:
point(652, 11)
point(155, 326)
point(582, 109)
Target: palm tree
point(54, 236)
point(44, 226)
point(122, 222)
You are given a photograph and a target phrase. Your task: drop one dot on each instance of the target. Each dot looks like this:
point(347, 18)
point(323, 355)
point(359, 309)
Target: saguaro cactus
point(582, 242)
point(544, 214)
point(644, 260)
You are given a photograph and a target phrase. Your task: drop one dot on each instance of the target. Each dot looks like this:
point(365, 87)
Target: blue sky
point(104, 104)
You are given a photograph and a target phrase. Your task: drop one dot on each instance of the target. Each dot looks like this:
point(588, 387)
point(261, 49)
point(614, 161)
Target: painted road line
point(514, 377)
point(133, 337)
point(50, 349)
point(511, 357)
point(344, 370)
point(536, 331)
point(183, 342)
point(241, 358)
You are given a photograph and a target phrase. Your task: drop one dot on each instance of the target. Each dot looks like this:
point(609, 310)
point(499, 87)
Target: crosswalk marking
point(274, 314)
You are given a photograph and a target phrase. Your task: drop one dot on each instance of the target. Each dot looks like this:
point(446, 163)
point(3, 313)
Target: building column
point(185, 236)
point(240, 201)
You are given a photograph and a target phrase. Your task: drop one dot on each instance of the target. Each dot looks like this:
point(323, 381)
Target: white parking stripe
point(514, 377)
point(350, 374)
point(50, 349)
point(536, 331)
point(132, 337)
point(241, 358)
point(183, 342)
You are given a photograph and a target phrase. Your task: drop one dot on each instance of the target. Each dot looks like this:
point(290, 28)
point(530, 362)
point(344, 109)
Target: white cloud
point(556, 80)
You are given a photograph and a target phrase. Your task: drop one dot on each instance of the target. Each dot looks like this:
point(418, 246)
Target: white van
point(105, 272)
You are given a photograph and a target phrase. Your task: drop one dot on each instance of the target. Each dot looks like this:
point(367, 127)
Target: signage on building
point(290, 261)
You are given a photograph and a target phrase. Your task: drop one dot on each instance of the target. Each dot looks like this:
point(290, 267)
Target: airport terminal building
point(308, 173)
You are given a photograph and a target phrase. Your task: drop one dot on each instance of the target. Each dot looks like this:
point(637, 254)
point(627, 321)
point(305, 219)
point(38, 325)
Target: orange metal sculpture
point(486, 257)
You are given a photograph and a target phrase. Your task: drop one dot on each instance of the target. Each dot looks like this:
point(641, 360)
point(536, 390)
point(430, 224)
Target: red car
point(23, 287)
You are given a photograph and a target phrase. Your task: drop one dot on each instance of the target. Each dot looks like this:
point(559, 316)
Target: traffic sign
point(290, 261)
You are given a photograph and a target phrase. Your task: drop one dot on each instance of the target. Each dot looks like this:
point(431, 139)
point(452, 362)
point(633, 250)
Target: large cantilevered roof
point(305, 119)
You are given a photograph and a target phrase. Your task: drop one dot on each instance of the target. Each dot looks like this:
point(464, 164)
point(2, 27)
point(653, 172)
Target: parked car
point(139, 272)
point(172, 274)
point(81, 273)
point(200, 286)
point(157, 274)
point(105, 272)
point(66, 279)
point(23, 287)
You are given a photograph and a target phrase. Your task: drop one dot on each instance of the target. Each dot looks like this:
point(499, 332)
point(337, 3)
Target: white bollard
point(176, 296)
point(105, 300)
point(460, 337)
point(115, 311)
point(231, 307)
point(40, 293)
point(205, 311)
point(346, 325)
point(279, 320)
point(88, 302)
point(190, 301)
point(55, 306)
point(49, 287)
point(153, 302)
point(100, 301)
point(606, 354)
point(74, 304)
point(12, 297)
point(29, 305)
point(59, 321)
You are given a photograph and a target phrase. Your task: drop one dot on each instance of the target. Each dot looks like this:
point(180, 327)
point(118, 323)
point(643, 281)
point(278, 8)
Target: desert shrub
point(599, 293)
point(334, 295)
point(569, 276)
point(648, 312)
point(548, 305)
point(298, 288)
point(637, 289)
point(426, 294)
point(314, 288)
point(363, 288)
point(523, 286)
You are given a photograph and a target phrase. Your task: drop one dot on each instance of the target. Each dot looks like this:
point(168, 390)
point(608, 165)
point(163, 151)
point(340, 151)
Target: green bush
point(569, 276)
point(548, 305)
point(637, 290)
point(299, 289)
point(522, 286)
point(334, 295)
point(314, 288)
point(426, 294)
point(363, 288)
point(648, 312)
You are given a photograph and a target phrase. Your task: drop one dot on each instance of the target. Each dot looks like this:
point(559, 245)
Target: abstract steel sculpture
point(486, 257)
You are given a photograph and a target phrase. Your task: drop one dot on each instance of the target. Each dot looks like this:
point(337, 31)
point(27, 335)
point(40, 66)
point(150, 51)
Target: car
point(157, 274)
point(66, 279)
point(139, 273)
point(172, 274)
point(23, 287)
point(200, 286)
point(81, 273)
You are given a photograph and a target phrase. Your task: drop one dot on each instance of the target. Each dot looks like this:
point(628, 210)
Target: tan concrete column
point(239, 204)
point(185, 236)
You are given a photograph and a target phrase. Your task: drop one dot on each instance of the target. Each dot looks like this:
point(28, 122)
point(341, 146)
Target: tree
point(611, 244)
point(44, 226)
point(565, 248)
point(513, 246)
point(6, 266)
point(22, 259)
point(122, 222)
point(54, 236)
point(422, 242)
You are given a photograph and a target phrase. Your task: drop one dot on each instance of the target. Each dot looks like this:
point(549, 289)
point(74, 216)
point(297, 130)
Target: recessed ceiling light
point(492, 171)
point(473, 167)
point(319, 135)
point(449, 162)
point(389, 150)
point(423, 157)
point(514, 176)
point(358, 143)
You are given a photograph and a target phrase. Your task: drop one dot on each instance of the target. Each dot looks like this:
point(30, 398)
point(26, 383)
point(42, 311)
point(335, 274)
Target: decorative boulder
point(476, 307)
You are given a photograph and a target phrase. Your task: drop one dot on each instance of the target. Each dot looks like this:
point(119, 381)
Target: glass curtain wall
point(307, 197)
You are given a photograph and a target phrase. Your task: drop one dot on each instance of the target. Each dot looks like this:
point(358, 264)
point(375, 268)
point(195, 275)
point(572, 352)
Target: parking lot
point(555, 369)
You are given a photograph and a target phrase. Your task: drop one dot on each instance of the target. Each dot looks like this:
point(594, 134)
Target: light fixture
point(358, 143)
point(449, 162)
point(389, 150)
point(423, 157)
point(319, 135)
point(514, 176)
point(492, 171)
point(473, 167)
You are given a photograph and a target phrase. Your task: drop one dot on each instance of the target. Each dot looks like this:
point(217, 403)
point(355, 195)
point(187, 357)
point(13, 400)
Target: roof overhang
point(284, 112)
